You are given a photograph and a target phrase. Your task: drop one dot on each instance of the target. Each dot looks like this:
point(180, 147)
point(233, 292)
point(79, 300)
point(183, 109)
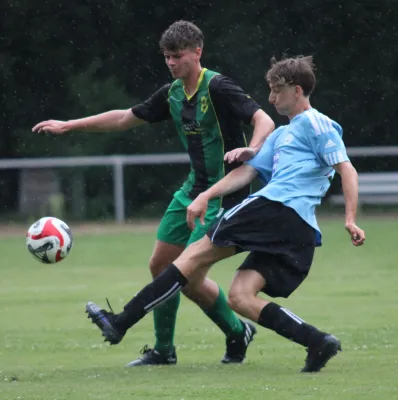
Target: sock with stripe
point(289, 325)
point(161, 289)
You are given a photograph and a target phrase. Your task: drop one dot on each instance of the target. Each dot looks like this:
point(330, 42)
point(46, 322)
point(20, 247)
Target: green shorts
point(173, 227)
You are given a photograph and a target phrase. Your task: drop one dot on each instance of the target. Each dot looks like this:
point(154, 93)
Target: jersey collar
point(202, 73)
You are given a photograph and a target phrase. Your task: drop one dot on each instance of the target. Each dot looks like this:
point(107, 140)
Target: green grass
point(49, 350)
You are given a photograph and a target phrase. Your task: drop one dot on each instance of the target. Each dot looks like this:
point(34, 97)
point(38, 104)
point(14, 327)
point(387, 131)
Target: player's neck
point(300, 108)
point(191, 82)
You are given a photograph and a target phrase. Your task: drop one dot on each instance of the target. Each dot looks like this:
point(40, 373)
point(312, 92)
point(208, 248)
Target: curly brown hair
point(181, 35)
point(293, 71)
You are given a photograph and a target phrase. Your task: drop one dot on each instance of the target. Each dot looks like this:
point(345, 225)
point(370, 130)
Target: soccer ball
point(49, 239)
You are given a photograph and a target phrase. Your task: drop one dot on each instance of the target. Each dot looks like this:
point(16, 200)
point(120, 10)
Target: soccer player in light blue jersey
point(277, 225)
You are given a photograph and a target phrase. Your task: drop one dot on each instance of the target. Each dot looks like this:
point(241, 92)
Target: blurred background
point(73, 59)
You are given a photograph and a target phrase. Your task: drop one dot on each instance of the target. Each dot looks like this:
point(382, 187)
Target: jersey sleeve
point(329, 147)
point(225, 93)
point(156, 108)
point(263, 161)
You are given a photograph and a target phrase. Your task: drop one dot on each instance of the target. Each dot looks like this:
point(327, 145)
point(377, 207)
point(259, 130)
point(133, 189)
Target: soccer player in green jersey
point(207, 109)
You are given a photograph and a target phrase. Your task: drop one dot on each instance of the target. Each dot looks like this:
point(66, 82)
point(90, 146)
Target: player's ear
point(198, 52)
point(298, 91)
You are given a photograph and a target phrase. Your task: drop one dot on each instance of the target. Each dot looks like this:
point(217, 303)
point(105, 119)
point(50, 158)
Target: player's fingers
point(38, 126)
point(189, 219)
point(43, 129)
point(237, 155)
point(231, 156)
point(202, 217)
point(358, 238)
point(228, 156)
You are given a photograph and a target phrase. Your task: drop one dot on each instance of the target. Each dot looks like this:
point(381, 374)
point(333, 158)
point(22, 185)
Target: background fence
point(118, 162)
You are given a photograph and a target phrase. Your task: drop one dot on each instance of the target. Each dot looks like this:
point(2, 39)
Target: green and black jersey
point(209, 125)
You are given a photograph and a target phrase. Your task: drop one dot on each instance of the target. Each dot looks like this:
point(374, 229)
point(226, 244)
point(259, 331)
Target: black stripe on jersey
point(233, 138)
point(195, 147)
point(232, 106)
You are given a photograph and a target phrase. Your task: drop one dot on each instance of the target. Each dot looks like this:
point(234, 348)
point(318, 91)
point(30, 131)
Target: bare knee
point(244, 289)
point(156, 266)
point(203, 253)
point(163, 255)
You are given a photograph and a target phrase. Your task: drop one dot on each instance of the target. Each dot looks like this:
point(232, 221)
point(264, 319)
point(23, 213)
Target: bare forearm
point(349, 179)
point(235, 180)
point(263, 127)
point(115, 120)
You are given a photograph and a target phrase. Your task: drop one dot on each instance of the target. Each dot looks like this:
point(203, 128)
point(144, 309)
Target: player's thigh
point(246, 283)
point(197, 258)
point(212, 215)
point(173, 228)
point(172, 236)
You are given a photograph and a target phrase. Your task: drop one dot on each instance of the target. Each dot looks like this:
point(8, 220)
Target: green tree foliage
point(70, 59)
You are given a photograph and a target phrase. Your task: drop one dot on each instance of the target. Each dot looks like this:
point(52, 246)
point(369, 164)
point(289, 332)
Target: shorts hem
point(168, 241)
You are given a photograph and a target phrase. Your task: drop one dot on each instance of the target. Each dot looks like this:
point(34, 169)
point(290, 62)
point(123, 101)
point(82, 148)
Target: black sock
point(288, 325)
point(165, 286)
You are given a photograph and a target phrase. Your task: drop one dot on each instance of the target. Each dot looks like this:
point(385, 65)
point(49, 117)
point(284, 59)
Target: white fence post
point(118, 190)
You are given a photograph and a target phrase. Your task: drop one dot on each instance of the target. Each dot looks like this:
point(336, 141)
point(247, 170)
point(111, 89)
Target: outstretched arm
point(155, 109)
point(115, 120)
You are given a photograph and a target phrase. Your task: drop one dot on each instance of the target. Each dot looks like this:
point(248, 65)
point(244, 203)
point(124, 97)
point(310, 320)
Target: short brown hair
point(181, 35)
point(293, 71)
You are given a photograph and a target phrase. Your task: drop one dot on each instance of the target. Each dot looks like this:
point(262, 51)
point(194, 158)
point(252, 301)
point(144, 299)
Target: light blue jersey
point(296, 163)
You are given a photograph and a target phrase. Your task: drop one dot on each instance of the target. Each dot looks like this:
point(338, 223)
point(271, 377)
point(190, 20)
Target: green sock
point(165, 317)
point(222, 315)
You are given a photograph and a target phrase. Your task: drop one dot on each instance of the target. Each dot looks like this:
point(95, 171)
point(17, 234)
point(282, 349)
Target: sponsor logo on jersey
point(191, 128)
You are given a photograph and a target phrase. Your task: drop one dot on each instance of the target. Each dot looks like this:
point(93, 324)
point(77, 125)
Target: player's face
point(284, 98)
point(181, 63)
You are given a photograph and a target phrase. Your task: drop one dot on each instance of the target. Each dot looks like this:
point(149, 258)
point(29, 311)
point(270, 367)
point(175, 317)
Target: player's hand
point(356, 233)
point(241, 154)
point(51, 126)
point(197, 209)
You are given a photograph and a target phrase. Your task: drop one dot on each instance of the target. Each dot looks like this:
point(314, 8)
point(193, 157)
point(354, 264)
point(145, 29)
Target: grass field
point(50, 351)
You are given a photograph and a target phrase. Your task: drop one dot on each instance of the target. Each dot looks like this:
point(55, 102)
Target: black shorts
point(280, 242)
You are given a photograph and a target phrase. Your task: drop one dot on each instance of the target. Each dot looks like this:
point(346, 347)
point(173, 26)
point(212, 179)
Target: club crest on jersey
point(204, 105)
point(288, 139)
